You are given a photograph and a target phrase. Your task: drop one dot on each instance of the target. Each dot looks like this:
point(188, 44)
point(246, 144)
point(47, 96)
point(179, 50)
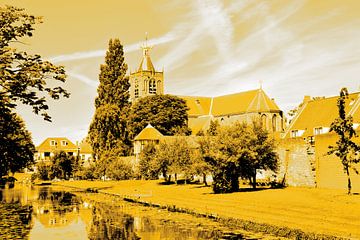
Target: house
point(50, 145)
point(86, 153)
point(303, 150)
point(315, 116)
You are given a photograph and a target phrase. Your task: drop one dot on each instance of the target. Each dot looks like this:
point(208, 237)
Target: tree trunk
point(204, 179)
point(254, 180)
point(349, 181)
point(169, 179)
point(175, 178)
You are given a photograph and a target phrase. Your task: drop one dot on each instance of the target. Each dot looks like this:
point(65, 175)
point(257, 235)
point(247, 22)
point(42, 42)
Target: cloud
point(88, 81)
point(101, 53)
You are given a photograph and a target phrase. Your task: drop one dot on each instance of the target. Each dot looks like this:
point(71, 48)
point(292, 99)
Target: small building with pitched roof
point(148, 135)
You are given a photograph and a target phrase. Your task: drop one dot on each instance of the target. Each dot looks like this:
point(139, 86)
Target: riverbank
point(319, 211)
point(14, 221)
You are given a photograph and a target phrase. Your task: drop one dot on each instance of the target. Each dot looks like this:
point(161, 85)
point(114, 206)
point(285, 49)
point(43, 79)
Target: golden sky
point(206, 48)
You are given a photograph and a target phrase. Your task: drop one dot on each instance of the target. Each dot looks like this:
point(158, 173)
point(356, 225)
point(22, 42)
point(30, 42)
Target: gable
point(60, 143)
point(320, 113)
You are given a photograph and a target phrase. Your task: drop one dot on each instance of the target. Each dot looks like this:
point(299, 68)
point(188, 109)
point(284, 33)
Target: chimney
point(307, 98)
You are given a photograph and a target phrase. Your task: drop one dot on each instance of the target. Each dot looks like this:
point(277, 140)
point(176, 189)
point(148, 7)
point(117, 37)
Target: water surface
point(61, 214)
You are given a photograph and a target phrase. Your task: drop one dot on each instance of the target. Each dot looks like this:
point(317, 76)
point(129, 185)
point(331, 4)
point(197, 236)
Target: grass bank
point(293, 212)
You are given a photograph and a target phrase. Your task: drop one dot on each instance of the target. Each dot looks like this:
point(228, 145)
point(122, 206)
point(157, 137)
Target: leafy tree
point(43, 171)
point(345, 149)
point(198, 165)
point(261, 153)
point(166, 113)
point(62, 165)
point(237, 151)
point(16, 148)
point(113, 165)
point(222, 152)
point(105, 131)
point(108, 127)
point(148, 168)
point(180, 154)
point(24, 77)
point(213, 128)
point(120, 169)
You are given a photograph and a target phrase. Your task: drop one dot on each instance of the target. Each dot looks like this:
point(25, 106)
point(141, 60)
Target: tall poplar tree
point(346, 149)
point(108, 128)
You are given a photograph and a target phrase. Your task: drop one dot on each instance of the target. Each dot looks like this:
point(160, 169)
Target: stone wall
point(297, 162)
point(330, 173)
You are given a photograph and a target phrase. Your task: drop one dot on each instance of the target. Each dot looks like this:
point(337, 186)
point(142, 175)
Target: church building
point(244, 106)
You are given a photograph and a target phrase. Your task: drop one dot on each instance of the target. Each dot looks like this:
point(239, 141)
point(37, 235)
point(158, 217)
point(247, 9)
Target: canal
point(58, 213)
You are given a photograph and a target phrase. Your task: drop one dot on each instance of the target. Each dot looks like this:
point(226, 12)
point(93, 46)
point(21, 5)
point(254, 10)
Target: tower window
point(152, 86)
point(264, 121)
point(136, 92)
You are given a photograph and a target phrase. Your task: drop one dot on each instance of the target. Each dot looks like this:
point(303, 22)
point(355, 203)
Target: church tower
point(146, 80)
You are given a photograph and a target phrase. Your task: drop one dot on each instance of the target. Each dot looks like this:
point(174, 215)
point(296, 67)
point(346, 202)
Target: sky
point(205, 47)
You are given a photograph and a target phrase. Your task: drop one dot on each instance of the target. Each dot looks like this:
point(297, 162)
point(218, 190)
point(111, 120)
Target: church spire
point(146, 64)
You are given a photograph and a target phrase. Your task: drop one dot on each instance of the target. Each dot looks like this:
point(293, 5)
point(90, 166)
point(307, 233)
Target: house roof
point(243, 102)
point(321, 112)
point(148, 133)
point(46, 146)
point(85, 147)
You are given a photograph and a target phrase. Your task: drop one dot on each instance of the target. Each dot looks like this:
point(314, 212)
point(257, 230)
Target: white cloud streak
point(101, 53)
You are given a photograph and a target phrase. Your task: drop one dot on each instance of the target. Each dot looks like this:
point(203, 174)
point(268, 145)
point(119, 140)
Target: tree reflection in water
point(121, 222)
point(109, 224)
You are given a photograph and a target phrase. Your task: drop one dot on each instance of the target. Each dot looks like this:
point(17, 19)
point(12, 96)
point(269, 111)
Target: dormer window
point(52, 143)
point(64, 143)
point(296, 133)
point(318, 130)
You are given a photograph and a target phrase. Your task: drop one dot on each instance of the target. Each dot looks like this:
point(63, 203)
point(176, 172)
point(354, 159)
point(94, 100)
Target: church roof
point(321, 112)
point(198, 106)
point(149, 133)
point(199, 123)
point(146, 63)
point(243, 102)
point(85, 147)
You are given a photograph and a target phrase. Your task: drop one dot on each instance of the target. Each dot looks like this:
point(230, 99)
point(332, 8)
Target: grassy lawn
point(311, 210)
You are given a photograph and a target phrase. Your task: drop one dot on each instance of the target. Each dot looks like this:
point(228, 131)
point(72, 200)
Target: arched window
point(273, 123)
point(152, 86)
point(136, 91)
point(263, 121)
